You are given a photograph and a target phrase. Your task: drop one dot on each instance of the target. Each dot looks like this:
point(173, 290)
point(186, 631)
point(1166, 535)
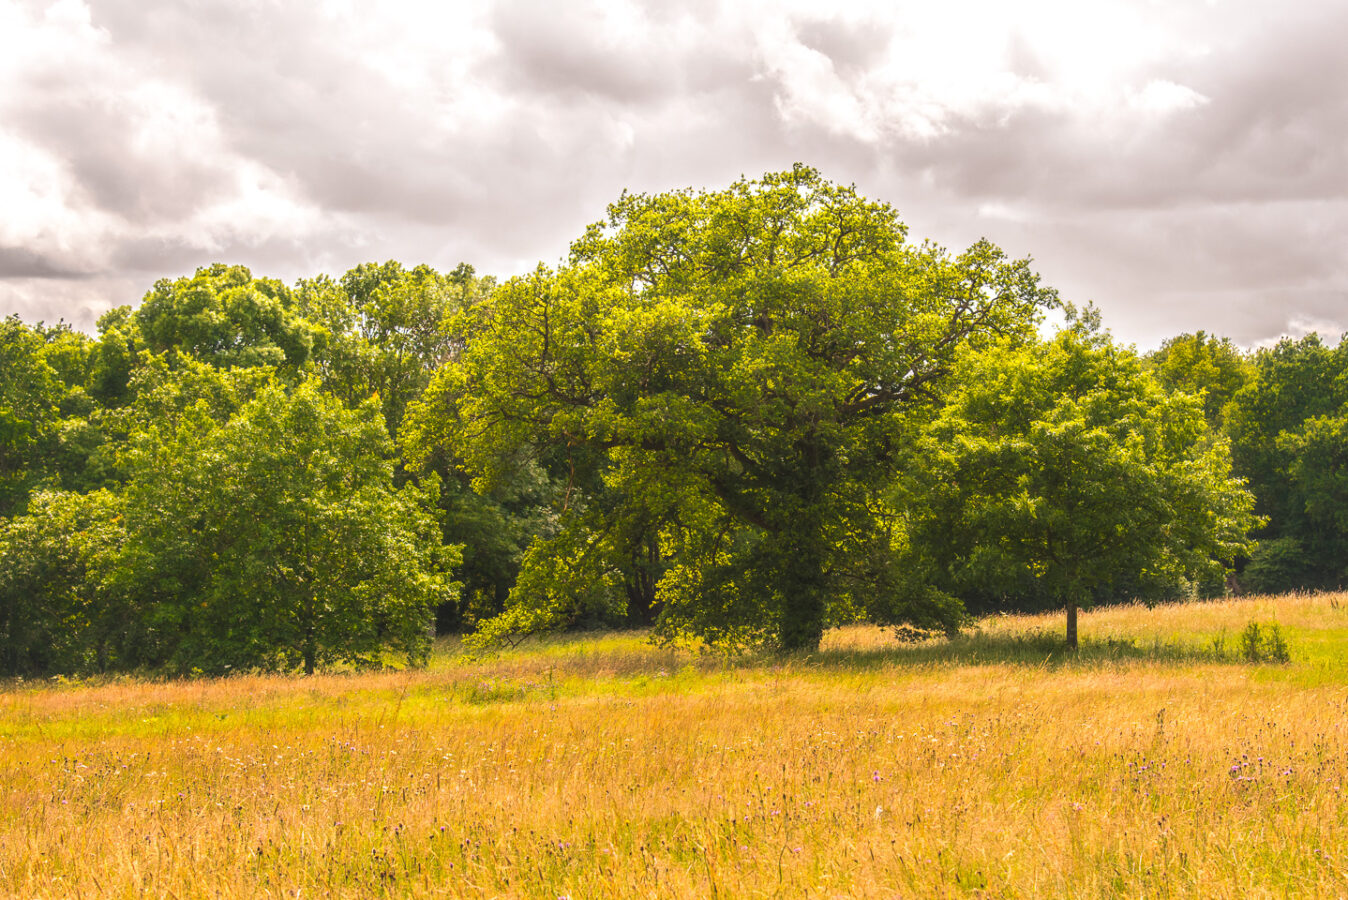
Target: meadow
point(1155, 762)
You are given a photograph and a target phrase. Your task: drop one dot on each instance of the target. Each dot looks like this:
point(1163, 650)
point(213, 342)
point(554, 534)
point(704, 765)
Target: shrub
point(1263, 644)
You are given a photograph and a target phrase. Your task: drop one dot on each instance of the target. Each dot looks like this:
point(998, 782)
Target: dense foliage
point(264, 538)
point(185, 495)
point(1284, 426)
point(738, 416)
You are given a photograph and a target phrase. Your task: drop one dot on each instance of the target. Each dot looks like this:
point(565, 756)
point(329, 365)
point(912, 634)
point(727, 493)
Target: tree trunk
point(1071, 625)
point(803, 586)
point(310, 603)
point(641, 603)
point(642, 606)
point(310, 648)
point(802, 551)
point(802, 621)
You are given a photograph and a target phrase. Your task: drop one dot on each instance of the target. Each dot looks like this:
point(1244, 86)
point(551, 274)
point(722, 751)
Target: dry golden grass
point(603, 767)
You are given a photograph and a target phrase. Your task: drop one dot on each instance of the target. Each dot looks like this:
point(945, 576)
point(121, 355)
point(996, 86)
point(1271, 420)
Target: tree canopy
point(29, 396)
point(1202, 364)
point(42, 398)
point(224, 316)
point(740, 416)
point(385, 329)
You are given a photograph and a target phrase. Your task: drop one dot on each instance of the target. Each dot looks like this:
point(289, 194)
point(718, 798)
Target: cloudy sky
point(1181, 163)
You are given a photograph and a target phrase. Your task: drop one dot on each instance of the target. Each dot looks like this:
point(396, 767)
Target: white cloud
point(1298, 327)
point(35, 195)
point(1162, 96)
point(1005, 212)
point(809, 90)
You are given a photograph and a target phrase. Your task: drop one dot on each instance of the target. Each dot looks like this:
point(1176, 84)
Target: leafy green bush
point(1263, 644)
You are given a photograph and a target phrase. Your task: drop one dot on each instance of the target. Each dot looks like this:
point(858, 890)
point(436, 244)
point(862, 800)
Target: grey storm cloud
point(20, 262)
point(1205, 185)
point(547, 49)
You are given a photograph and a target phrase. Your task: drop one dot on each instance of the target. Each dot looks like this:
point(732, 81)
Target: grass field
point(1148, 765)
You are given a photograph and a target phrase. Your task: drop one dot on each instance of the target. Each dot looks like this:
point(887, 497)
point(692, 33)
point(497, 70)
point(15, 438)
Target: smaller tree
point(277, 539)
point(55, 615)
point(1058, 473)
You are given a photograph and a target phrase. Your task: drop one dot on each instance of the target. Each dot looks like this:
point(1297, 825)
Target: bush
point(1263, 644)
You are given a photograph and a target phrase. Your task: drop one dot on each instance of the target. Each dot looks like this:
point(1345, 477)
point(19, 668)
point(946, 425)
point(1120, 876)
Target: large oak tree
point(731, 372)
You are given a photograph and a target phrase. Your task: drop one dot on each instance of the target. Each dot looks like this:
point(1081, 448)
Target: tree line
point(739, 417)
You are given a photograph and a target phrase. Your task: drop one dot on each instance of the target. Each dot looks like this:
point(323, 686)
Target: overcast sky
point(1182, 164)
